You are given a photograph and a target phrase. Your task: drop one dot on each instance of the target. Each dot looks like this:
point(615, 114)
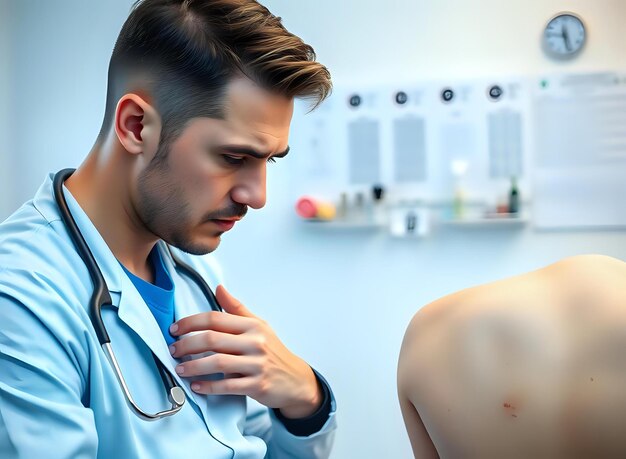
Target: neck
point(101, 185)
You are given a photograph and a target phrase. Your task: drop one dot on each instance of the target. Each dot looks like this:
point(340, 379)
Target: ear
point(137, 124)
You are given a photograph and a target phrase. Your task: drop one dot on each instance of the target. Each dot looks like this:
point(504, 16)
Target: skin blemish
point(509, 408)
point(591, 379)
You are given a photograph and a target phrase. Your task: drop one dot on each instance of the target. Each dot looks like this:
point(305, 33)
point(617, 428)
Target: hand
point(254, 361)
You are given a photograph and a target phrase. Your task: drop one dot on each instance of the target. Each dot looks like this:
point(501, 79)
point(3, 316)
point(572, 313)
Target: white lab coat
point(59, 396)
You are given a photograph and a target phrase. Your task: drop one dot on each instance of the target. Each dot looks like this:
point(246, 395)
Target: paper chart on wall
point(406, 136)
point(563, 137)
point(580, 164)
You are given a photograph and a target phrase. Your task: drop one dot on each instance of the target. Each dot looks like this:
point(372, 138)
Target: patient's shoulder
point(587, 276)
point(513, 305)
point(432, 322)
point(424, 342)
point(590, 268)
point(597, 280)
point(586, 265)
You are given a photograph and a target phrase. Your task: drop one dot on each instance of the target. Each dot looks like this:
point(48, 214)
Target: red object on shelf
point(306, 207)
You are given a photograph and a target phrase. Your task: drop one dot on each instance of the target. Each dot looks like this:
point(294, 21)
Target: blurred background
point(340, 293)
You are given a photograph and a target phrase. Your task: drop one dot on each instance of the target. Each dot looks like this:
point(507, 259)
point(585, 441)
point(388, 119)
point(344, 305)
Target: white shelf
point(476, 221)
point(343, 224)
point(489, 221)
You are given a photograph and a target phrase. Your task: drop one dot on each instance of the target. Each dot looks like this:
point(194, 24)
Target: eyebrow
point(243, 150)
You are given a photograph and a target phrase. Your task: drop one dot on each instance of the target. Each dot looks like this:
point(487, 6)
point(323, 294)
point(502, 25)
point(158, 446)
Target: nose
point(250, 189)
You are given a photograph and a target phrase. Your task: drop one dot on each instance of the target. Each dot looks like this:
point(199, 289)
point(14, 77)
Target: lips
point(224, 225)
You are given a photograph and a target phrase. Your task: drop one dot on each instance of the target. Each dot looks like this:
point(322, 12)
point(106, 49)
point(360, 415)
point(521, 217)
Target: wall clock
point(564, 36)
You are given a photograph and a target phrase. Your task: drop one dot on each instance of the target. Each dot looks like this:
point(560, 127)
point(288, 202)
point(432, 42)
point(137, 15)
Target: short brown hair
point(188, 50)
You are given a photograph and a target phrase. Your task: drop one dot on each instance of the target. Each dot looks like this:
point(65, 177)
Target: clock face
point(564, 36)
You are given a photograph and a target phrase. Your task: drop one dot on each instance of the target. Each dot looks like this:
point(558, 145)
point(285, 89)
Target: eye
point(233, 160)
point(238, 161)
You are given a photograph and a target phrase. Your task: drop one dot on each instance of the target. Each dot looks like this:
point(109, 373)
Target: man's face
point(215, 169)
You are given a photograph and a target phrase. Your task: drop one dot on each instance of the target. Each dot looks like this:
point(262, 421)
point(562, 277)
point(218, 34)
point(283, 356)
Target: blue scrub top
point(158, 296)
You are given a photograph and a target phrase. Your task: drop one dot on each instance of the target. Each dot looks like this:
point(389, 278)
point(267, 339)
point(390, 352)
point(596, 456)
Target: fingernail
point(180, 369)
point(173, 328)
point(195, 386)
point(172, 349)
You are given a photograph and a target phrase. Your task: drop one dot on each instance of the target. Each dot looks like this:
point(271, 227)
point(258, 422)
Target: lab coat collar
point(44, 202)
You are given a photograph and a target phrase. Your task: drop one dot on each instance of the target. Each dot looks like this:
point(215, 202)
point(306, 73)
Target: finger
point(219, 363)
point(212, 320)
point(215, 341)
point(230, 304)
point(226, 386)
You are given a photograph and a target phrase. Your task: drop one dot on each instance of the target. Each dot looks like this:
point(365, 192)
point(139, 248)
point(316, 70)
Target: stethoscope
point(101, 297)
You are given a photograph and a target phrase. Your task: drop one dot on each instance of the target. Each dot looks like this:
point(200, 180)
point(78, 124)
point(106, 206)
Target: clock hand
point(568, 47)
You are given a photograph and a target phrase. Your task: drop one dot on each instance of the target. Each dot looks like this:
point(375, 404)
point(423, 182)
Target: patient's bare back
point(532, 366)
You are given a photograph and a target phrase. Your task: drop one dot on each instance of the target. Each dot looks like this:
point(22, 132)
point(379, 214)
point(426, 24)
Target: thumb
point(230, 304)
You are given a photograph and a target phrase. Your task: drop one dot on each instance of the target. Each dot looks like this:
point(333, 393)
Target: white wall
point(341, 300)
point(59, 67)
point(450, 38)
point(6, 186)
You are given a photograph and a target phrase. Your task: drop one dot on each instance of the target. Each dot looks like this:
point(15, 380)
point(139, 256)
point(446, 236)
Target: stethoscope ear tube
point(100, 296)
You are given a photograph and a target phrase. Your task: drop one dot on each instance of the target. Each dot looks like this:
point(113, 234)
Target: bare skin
point(528, 367)
point(213, 172)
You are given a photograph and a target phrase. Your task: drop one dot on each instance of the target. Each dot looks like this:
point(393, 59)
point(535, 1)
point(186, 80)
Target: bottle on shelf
point(377, 209)
point(514, 197)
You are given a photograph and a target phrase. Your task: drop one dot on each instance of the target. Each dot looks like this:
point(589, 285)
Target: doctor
point(199, 101)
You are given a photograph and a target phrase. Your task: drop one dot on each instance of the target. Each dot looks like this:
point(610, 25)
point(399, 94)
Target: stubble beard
point(162, 207)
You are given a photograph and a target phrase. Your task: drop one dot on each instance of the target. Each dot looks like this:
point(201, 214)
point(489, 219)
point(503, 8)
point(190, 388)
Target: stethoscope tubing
point(101, 297)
